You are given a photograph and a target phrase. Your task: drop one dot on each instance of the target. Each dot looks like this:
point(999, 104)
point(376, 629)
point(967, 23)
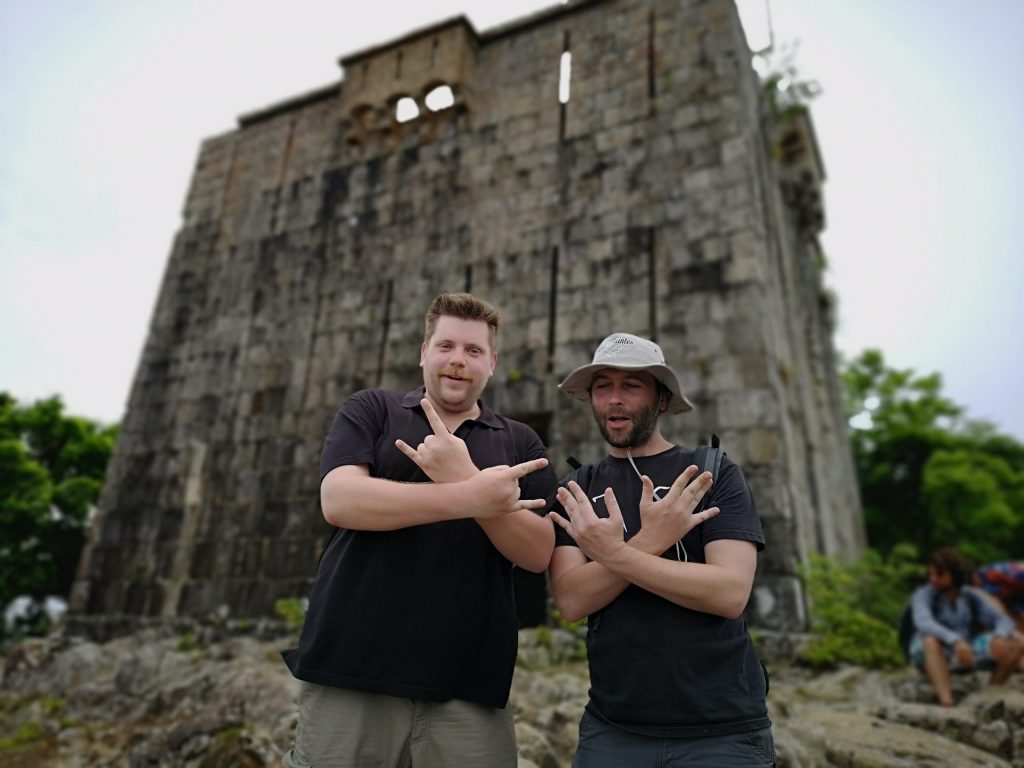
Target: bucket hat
point(627, 353)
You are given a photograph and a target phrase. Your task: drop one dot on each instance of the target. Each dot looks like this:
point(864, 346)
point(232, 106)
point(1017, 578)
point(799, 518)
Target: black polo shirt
point(657, 668)
point(425, 612)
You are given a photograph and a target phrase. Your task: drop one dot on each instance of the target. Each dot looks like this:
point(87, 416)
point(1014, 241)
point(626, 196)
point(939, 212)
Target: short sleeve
point(354, 433)
point(542, 483)
point(737, 514)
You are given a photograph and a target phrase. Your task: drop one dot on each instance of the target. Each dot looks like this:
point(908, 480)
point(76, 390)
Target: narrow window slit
point(384, 332)
point(564, 78)
point(651, 59)
point(652, 285)
point(552, 308)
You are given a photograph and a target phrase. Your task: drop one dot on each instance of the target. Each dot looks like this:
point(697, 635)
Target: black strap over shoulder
point(708, 458)
point(580, 474)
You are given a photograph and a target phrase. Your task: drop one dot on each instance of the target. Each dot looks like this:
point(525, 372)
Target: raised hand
point(495, 491)
point(442, 456)
point(598, 537)
point(665, 521)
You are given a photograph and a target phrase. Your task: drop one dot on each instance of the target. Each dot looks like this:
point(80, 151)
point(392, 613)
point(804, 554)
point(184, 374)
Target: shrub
point(292, 610)
point(855, 607)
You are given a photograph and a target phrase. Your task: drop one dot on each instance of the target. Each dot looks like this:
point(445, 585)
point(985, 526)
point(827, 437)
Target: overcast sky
point(103, 104)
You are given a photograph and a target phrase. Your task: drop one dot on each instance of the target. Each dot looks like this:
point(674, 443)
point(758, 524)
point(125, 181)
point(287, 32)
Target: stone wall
point(658, 200)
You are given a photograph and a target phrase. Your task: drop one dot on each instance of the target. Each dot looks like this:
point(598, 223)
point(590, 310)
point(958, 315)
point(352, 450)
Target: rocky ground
point(208, 699)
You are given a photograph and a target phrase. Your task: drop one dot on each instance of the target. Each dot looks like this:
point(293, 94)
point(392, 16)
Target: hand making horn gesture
point(668, 519)
point(598, 537)
point(495, 491)
point(442, 456)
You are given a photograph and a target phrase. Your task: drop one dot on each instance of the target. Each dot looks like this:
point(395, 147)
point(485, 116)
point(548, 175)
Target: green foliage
point(988, 486)
point(292, 610)
point(231, 735)
point(51, 705)
point(926, 474)
point(543, 636)
point(786, 94)
point(27, 733)
point(856, 607)
point(578, 627)
point(51, 470)
point(188, 641)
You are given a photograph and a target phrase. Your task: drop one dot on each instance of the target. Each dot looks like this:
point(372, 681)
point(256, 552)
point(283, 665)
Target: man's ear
point(423, 352)
point(494, 362)
point(663, 404)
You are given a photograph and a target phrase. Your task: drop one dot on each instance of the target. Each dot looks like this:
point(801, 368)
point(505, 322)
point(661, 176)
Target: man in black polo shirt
point(674, 679)
point(409, 644)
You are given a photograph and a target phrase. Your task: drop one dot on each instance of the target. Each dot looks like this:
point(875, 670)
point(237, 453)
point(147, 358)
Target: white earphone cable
point(681, 554)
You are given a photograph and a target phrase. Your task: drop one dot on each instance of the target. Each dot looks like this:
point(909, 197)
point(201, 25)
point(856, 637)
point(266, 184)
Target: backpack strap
point(974, 604)
point(581, 473)
point(708, 458)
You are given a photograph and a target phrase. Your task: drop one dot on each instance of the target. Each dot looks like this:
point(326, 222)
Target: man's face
point(457, 362)
point(625, 405)
point(940, 579)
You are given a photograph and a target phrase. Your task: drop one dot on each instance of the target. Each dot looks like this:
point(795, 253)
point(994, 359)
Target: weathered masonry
point(605, 165)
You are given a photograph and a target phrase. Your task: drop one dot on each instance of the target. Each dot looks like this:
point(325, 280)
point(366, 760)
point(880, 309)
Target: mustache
point(455, 373)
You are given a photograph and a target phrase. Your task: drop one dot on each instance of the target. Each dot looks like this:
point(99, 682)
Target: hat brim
point(577, 383)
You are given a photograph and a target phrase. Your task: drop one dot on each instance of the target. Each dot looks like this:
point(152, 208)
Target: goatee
point(644, 422)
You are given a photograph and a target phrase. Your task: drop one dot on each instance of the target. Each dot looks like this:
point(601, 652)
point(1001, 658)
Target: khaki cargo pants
point(341, 728)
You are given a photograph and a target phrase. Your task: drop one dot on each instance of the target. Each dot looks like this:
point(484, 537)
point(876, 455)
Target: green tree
point(928, 475)
point(51, 471)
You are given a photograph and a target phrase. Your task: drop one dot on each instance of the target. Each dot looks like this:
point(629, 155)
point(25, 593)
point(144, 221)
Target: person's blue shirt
point(952, 621)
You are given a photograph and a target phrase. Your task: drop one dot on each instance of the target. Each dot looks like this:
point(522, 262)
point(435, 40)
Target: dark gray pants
point(605, 746)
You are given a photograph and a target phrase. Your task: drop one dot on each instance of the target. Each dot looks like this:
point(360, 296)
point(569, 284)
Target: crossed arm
point(585, 579)
point(351, 498)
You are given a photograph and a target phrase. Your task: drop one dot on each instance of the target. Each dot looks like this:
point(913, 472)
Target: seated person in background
point(1004, 582)
point(956, 628)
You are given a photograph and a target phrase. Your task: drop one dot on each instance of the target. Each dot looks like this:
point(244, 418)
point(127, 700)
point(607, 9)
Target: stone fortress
point(605, 165)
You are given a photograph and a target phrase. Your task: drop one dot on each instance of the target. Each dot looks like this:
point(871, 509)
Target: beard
point(644, 422)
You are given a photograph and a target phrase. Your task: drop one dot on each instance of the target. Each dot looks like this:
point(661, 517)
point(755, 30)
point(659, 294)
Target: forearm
point(523, 537)
point(587, 588)
point(365, 503)
point(697, 586)
point(720, 586)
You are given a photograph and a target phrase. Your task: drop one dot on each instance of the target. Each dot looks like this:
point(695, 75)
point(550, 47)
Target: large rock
point(158, 699)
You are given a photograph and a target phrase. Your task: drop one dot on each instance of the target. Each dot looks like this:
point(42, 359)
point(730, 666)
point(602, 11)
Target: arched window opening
point(406, 109)
point(440, 98)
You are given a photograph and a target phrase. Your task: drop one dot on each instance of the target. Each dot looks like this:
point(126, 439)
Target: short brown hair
point(464, 306)
point(952, 562)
